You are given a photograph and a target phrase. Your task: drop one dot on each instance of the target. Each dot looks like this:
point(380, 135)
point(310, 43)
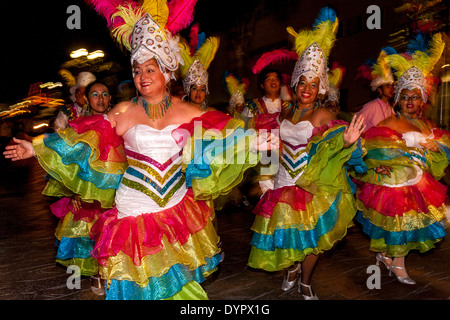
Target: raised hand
point(23, 149)
point(353, 131)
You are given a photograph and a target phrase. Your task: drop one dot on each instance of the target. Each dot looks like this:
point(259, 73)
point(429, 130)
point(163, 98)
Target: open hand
point(267, 141)
point(23, 149)
point(430, 145)
point(353, 131)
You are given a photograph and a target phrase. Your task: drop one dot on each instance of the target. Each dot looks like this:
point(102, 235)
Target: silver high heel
point(380, 258)
point(405, 280)
point(314, 297)
point(288, 285)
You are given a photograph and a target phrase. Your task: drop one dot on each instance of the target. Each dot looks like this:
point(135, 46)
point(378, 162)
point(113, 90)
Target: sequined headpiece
point(196, 75)
point(311, 64)
point(313, 47)
point(149, 40)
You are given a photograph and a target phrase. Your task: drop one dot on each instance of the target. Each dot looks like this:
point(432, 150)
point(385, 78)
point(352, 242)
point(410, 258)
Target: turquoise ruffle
point(162, 287)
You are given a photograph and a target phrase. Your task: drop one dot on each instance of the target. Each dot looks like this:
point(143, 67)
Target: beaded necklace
point(157, 110)
point(419, 123)
point(303, 111)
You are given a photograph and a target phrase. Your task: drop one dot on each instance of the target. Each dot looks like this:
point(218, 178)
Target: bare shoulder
point(390, 122)
point(323, 116)
point(185, 110)
point(118, 110)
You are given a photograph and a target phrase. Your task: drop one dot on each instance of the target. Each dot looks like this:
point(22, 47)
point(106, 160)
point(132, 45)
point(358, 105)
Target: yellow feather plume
point(158, 9)
point(233, 85)
point(324, 35)
point(205, 54)
point(207, 51)
point(68, 77)
point(381, 68)
point(425, 61)
point(122, 33)
point(186, 56)
point(335, 77)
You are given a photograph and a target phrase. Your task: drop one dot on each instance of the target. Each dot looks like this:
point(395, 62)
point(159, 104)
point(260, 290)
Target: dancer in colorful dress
point(166, 159)
point(312, 204)
point(77, 216)
point(402, 204)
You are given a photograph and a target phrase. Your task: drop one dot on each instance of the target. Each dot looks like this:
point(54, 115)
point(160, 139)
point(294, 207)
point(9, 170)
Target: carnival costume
point(72, 231)
point(312, 204)
point(405, 211)
point(157, 240)
point(197, 56)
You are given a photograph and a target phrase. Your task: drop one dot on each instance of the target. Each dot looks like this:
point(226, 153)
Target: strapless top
point(293, 158)
point(153, 180)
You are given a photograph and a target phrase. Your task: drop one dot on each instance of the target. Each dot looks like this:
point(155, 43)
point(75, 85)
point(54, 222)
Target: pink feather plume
point(193, 38)
point(273, 57)
point(181, 14)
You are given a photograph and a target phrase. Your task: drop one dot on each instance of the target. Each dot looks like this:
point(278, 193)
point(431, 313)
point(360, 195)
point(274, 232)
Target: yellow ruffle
point(199, 246)
point(411, 220)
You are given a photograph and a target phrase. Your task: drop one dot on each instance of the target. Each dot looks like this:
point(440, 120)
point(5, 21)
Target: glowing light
point(95, 54)
point(40, 125)
point(79, 53)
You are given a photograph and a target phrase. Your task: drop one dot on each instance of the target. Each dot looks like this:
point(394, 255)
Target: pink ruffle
point(208, 120)
point(88, 212)
point(106, 133)
point(294, 196)
point(141, 236)
point(381, 132)
point(397, 201)
point(321, 130)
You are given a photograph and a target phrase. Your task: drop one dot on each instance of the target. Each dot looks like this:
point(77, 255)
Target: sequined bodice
point(153, 180)
point(293, 157)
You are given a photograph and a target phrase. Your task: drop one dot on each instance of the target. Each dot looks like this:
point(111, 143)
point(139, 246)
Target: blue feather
point(325, 14)
point(419, 43)
point(389, 50)
point(201, 40)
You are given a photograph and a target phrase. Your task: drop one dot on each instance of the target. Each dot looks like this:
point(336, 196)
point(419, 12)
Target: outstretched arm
point(23, 149)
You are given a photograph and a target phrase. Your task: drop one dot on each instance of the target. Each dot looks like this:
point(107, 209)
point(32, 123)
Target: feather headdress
point(314, 47)
point(411, 73)
point(237, 88)
point(194, 69)
point(147, 30)
point(335, 76)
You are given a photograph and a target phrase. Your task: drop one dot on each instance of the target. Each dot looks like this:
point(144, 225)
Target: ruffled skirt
point(160, 255)
point(72, 233)
point(405, 218)
point(291, 223)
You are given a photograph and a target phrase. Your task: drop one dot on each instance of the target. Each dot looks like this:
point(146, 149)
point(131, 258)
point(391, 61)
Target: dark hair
point(265, 72)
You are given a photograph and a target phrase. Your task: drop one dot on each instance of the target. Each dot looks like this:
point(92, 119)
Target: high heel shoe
point(405, 280)
point(380, 258)
point(288, 285)
point(300, 284)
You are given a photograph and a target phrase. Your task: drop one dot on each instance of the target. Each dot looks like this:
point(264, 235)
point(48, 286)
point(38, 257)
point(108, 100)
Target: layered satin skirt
point(159, 255)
